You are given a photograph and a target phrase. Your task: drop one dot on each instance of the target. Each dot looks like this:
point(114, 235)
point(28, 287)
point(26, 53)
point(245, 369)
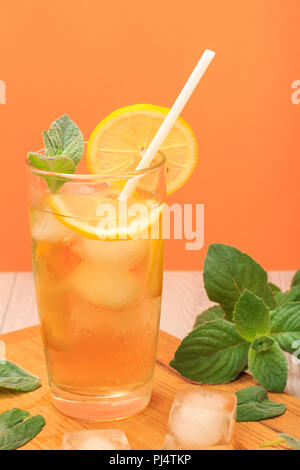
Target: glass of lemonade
point(98, 276)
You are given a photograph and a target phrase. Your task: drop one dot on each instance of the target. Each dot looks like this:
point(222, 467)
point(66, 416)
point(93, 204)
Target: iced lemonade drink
point(99, 302)
point(98, 260)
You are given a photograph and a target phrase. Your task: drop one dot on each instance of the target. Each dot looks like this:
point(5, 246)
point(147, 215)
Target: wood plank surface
point(6, 291)
point(146, 430)
point(184, 297)
point(21, 310)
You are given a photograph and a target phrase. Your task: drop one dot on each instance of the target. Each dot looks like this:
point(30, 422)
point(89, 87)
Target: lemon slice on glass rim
point(116, 147)
point(119, 141)
point(69, 210)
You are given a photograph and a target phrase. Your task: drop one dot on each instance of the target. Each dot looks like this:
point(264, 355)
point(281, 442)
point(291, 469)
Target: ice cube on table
point(201, 418)
point(2, 350)
point(99, 439)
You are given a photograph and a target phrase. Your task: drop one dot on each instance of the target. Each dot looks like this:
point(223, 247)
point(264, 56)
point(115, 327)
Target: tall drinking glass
point(98, 267)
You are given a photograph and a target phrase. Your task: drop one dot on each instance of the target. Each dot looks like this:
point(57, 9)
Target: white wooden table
point(184, 298)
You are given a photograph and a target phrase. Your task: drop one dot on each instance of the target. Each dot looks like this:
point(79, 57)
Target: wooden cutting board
point(145, 430)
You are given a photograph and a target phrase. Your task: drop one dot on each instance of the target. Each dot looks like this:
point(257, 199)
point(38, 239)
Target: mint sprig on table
point(17, 428)
point(250, 328)
point(13, 377)
point(63, 151)
point(284, 438)
point(253, 404)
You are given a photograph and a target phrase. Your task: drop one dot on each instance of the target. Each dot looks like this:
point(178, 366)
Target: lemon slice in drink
point(81, 214)
point(119, 141)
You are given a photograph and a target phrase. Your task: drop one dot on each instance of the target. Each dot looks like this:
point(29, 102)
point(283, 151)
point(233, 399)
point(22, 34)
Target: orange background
point(86, 58)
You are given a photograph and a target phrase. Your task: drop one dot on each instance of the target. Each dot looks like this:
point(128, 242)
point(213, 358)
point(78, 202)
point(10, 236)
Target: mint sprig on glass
point(251, 327)
point(63, 151)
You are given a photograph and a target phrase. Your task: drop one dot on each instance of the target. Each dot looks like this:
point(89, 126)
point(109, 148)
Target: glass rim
point(92, 177)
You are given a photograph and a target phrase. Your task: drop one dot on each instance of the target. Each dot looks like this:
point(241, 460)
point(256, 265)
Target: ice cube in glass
point(201, 418)
point(99, 439)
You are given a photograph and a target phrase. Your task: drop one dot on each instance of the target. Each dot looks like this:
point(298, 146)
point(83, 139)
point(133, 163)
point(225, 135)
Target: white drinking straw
point(170, 120)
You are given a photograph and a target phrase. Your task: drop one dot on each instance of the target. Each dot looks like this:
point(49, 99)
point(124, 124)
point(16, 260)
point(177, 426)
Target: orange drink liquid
point(98, 301)
point(97, 263)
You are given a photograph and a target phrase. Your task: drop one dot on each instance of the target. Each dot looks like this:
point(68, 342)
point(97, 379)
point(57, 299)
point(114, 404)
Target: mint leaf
point(274, 289)
point(251, 316)
point(250, 394)
point(263, 343)
point(12, 377)
point(50, 150)
point(59, 164)
point(63, 151)
point(228, 271)
point(296, 279)
point(17, 428)
point(64, 137)
point(292, 295)
point(290, 440)
point(285, 326)
point(10, 418)
point(253, 405)
point(75, 149)
point(269, 367)
point(217, 350)
point(213, 353)
point(212, 313)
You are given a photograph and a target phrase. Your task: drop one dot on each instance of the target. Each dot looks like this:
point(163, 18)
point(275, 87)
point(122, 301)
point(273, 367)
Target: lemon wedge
point(119, 141)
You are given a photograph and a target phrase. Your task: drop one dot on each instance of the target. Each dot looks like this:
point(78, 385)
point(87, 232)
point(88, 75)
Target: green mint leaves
point(12, 377)
point(274, 289)
point(228, 271)
point(17, 428)
point(251, 327)
point(268, 365)
point(64, 138)
point(292, 295)
point(213, 353)
point(285, 326)
point(212, 313)
point(253, 405)
point(63, 151)
point(251, 316)
point(60, 164)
